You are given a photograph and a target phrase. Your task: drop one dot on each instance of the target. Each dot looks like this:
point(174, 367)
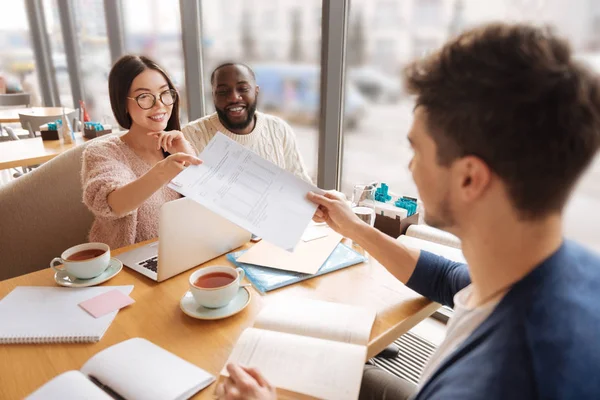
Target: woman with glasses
point(124, 178)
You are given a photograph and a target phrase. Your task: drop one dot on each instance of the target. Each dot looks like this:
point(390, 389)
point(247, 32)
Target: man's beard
point(240, 125)
point(444, 217)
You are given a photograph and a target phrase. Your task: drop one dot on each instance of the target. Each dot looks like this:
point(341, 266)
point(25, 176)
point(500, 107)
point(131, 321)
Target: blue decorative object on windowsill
point(410, 205)
point(381, 194)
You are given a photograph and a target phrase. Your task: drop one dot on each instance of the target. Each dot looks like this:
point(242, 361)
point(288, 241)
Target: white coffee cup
point(220, 296)
point(83, 268)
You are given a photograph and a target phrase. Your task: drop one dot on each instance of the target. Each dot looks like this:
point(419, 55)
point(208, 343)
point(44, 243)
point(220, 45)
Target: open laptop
point(189, 234)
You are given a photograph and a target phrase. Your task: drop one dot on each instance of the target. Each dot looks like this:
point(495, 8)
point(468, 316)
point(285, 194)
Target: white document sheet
point(250, 191)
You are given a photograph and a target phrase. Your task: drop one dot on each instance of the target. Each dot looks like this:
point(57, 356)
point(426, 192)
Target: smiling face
point(235, 95)
point(155, 119)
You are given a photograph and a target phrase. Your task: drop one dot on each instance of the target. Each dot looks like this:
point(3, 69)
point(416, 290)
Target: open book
point(433, 240)
point(133, 369)
point(308, 348)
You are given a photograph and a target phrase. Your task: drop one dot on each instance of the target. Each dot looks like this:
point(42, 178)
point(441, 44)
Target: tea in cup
point(84, 261)
point(215, 287)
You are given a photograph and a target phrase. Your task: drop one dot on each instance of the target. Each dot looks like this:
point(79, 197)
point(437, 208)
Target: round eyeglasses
point(147, 100)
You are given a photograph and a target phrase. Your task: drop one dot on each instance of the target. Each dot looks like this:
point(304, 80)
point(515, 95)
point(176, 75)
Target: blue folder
point(266, 279)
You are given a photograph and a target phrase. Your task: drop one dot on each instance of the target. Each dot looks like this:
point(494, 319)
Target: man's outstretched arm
point(428, 274)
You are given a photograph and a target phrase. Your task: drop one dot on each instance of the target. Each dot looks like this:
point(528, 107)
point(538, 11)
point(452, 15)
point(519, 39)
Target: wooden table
point(9, 115)
point(157, 317)
point(32, 151)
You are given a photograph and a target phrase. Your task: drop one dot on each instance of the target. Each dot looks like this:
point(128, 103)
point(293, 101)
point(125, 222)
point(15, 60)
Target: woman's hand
point(131, 196)
point(171, 166)
point(172, 142)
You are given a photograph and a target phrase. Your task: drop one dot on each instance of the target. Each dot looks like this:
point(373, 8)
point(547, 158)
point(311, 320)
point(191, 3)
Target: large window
point(59, 58)
point(153, 29)
point(281, 41)
point(17, 62)
point(90, 25)
point(375, 145)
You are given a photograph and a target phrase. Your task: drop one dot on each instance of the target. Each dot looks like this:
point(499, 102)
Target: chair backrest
point(42, 214)
point(15, 99)
point(32, 122)
point(11, 134)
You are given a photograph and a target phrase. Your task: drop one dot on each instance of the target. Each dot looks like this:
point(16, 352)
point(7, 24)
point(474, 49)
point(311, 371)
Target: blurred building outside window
point(17, 63)
point(59, 58)
point(95, 61)
point(153, 29)
point(376, 149)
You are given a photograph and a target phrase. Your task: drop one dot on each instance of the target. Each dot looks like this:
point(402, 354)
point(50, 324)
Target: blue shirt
point(541, 341)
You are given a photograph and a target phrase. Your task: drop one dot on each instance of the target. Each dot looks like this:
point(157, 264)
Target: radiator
point(414, 353)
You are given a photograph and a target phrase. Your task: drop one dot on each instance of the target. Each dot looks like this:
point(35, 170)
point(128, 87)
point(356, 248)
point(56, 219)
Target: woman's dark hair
point(122, 74)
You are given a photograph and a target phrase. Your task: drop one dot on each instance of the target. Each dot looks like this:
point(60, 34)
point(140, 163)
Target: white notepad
point(38, 314)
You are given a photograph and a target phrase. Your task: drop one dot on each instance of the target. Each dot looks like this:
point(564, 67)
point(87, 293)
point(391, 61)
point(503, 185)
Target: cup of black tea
point(215, 287)
point(84, 261)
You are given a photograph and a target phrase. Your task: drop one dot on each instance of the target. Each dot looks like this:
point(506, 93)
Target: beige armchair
point(42, 214)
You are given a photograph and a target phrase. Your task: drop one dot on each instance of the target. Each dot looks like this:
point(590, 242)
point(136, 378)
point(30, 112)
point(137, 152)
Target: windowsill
point(443, 314)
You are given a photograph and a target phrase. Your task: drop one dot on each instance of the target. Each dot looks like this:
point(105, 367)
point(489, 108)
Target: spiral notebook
point(38, 314)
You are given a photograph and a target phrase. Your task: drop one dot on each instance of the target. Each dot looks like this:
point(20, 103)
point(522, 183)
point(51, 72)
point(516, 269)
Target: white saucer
point(64, 279)
point(190, 307)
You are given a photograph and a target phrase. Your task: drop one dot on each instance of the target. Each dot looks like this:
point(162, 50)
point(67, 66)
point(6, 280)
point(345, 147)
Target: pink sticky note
point(106, 302)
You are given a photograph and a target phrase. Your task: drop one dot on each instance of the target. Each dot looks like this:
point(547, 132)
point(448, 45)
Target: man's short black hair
point(229, 64)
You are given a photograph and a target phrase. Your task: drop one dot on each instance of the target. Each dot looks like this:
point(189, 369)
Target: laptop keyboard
point(151, 263)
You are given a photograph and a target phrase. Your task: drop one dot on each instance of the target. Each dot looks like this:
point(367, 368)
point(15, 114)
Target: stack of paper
point(307, 257)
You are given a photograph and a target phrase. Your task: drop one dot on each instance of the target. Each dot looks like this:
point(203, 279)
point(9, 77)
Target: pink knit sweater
point(107, 165)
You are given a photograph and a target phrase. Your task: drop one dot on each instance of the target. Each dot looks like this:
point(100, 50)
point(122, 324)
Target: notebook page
point(319, 319)
point(69, 385)
point(315, 367)
point(52, 314)
point(432, 234)
point(139, 369)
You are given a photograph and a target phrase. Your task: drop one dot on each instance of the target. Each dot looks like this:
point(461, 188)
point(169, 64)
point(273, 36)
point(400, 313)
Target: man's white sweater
point(272, 139)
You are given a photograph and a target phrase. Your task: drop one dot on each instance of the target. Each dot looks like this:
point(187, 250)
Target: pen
point(107, 389)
